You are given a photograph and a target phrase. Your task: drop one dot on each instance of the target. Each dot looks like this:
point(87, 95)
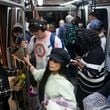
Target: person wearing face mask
point(97, 26)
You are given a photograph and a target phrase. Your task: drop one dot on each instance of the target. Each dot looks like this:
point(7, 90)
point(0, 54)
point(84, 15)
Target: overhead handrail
point(11, 3)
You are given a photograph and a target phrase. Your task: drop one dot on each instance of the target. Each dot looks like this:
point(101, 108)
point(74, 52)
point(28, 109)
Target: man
point(92, 16)
point(17, 37)
point(40, 46)
point(97, 26)
point(40, 42)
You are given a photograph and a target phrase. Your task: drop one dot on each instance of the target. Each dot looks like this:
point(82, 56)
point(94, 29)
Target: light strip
point(67, 3)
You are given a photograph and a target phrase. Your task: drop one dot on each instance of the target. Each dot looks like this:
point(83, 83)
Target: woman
point(91, 66)
point(55, 89)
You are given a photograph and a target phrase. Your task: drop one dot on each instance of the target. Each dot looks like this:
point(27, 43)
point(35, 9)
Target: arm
point(29, 47)
point(36, 73)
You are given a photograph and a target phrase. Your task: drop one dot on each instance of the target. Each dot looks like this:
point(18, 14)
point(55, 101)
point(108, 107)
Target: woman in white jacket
point(55, 90)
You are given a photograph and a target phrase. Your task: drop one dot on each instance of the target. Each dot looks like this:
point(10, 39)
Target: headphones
point(36, 25)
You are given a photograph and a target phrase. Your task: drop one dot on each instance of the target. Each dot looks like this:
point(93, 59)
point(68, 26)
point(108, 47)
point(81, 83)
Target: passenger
point(107, 58)
point(18, 51)
point(40, 43)
point(80, 27)
point(98, 100)
point(17, 35)
point(39, 47)
point(77, 20)
point(55, 90)
point(91, 66)
point(63, 28)
point(68, 35)
point(61, 24)
point(5, 91)
point(26, 24)
point(60, 29)
point(52, 28)
point(92, 16)
point(71, 37)
point(97, 26)
point(68, 19)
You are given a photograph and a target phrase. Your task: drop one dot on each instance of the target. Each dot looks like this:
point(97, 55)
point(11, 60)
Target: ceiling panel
point(63, 1)
point(55, 1)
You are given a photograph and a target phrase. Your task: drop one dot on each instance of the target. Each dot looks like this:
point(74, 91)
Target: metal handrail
point(11, 3)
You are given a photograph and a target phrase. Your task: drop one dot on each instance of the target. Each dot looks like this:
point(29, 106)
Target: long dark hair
point(63, 71)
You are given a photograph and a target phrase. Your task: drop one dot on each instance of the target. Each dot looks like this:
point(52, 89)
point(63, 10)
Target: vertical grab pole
point(25, 93)
point(24, 35)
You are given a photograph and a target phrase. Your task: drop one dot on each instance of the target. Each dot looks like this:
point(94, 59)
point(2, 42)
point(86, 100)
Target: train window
point(50, 16)
point(9, 26)
point(19, 16)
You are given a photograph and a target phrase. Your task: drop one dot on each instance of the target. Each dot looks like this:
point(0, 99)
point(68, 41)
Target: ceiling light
point(67, 3)
point(40, 2)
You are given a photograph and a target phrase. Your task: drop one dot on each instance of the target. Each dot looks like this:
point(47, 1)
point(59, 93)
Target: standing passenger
point(40, 43)
point(91, 66)
point(41, 47)
point(92, 16)
point(97, 26)
point(55, 90)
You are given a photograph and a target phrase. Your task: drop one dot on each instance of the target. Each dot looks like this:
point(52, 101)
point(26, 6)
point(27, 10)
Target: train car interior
point(19, 11)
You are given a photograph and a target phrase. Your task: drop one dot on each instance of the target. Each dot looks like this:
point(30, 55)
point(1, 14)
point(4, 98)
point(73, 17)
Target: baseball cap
point(96, 25)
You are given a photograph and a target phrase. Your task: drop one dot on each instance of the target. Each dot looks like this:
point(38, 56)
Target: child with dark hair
point(91, 66)
point(55, 89)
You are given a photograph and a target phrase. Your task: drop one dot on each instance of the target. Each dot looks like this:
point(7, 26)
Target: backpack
point(33, 61)
point(70, 36)
point(52, 40)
